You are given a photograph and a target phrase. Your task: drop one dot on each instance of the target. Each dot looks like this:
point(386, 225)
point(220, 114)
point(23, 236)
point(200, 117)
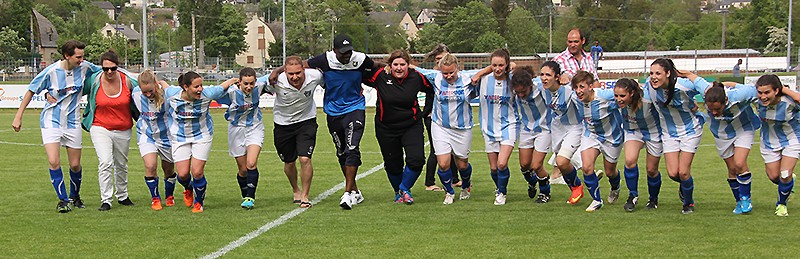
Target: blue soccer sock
point(395, 180)
point(528, 175)
point(242, 180)
point(57, 179)
point(152, 185)
point(493, 173)
point(199, 185)
point(592, 183)
point(735, 188)
point(169, 185)
point(447, 180)
point(187, 184)
point(409, 178)
point(632, 180)
point(544, 184)
point(687, 187)
point(75, 179)
point(654, 186)
point(466, 176)
point(675, 178)
point(572, 178)
point(784, 190)
point(252, 183)
point(503, 175)
point(614, 181)
point(744, 184)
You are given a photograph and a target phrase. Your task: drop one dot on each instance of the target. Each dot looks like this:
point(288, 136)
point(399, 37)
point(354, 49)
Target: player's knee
point(630, 163)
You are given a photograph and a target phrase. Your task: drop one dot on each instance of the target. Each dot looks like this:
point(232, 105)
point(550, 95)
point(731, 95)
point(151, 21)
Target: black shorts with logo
point(346, 131)
point(295, 140)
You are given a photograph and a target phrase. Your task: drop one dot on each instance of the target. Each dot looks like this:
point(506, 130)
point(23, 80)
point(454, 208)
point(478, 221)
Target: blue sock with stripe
point(529, 177)
point(614, 181)
point(544, 184)
point(654, 186)
point(152, 185)
point(57, 179)
point(187, 184)
point(593, 184)
point(744, 184)
point(735, 188)
point(252, 183)
point(395, 180)
point(572, 178)
point(494, 178)
point(687, 187)
point(75, 179)
point(169, 185)
point(447, 180)
point(466, 176)
point(503, 175)
point(199, 185)
point(632, 180)
point(409, 178)
point(784, 190)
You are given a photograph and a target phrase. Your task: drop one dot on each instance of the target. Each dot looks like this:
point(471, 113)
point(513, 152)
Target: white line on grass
point(286, 217)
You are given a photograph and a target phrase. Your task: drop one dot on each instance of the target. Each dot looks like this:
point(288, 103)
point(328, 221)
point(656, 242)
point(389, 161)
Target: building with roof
point(138, 3)
point(258, 36)
point(426, 15)
point(108, 8)
point(125, 31)
point(399, 18)
point(46, 38)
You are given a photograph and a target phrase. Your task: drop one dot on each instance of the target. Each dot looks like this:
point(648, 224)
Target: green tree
point(207, 15)
point(227, 40)
point(489, 42)
point(408, 6)
point(445, 7)
point(11, 50)
point(307, 23)
point(501, 11)
point(428, 37)
point(16, 16)
point(272, 9)
point(467, 24)
point(539, 9)
point(525, 37)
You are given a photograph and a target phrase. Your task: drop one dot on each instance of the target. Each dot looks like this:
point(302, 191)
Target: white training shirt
point(294, 105)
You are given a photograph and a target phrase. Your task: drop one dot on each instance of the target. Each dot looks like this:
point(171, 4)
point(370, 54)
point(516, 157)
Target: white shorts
point(165, 152)
point(70, 138)
point(566, 140)
point(654, 148)
point(239, 138)
point(187, 150)
point(775, 155)
point(725, 146)
point(539, 141)
point(683, 143)
point(447, 141)
point(494, 146)
point(610, 152)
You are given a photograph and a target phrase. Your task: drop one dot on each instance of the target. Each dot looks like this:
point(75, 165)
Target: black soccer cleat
point(63, 207)
point(630, 204)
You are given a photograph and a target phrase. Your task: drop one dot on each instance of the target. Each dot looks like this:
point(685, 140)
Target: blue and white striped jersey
point(534, 116)
point(498, 109)
point(781, 123)
point(154, 121)
point(191, 121)
point(602, 119)
point(66, 87)
point(678, 117)
point(451, 107)
point(738, 115)
point(567, 109)
point(644, 120)
point(243, 109)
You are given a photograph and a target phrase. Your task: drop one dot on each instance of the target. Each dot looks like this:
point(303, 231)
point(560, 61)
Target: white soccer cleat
point(448, 198)
point(357, 197)
point(595, 205)
point(346, 201)
point(499, 199)
point(465, 193)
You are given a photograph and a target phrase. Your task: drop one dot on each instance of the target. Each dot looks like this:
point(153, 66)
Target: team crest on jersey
point(355, 63)
point(307, 93)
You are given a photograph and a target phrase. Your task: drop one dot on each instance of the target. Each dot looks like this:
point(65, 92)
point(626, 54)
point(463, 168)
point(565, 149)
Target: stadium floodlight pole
point(283, 24)
point(144, 33)
point(789, 40)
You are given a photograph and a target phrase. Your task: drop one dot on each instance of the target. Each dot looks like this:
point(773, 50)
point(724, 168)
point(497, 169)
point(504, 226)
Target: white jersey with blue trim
point(451, 107)
point(680, 117)
point(191, 121)
point(498, 109)
point(644, 121)
point(737, 116)
point(154, 121)
point(602, 119)
point(294, 105)
point(781, 123)
point(534, 115)
point(66, 86)
point(243, 108)
point(564, 104)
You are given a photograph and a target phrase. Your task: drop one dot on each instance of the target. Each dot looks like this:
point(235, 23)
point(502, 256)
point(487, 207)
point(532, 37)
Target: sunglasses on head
point(106, 69)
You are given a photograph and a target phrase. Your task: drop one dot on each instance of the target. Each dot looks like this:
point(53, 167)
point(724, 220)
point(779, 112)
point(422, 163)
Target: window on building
point(108, 33)
point(405, 26)
point(260, 29)
point(249, 59)
point(262, 43)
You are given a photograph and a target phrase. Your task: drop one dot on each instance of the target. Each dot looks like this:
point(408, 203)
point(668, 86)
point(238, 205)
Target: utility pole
point(144, 34)
point(550, 13)
point(724, 16)
point(194, 44)
point(283, 6)
point(789, 40)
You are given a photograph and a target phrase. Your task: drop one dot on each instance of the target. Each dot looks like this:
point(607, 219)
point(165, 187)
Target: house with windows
point(258, 37)
point(127, 32)
point(399, 18)
point(46, 38)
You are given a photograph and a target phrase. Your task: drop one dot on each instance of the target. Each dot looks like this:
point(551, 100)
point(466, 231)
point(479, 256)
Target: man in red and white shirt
point(574, 58)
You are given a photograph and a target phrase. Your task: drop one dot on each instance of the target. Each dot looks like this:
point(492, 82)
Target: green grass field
point(377, 227)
